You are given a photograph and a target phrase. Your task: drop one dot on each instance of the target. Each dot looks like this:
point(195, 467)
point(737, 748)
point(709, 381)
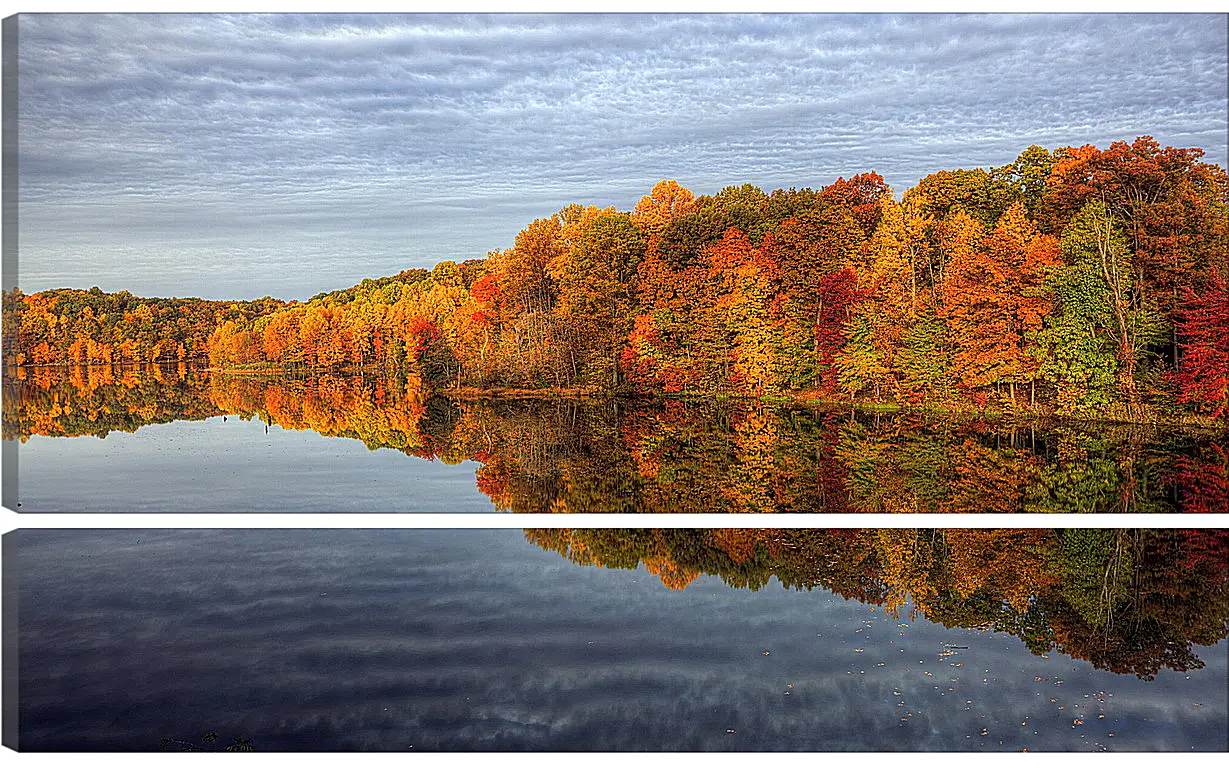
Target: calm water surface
point(176, 440)
point(225, 464)
point(480, 640)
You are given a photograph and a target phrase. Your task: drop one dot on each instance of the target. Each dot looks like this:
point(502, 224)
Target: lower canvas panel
point(629, 639)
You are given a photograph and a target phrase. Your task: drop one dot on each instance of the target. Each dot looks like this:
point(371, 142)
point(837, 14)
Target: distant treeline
point(1086, 281)
point(75, 327)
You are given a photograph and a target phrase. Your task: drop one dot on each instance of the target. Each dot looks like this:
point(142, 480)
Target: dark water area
point(179, 440)
point(419, 640)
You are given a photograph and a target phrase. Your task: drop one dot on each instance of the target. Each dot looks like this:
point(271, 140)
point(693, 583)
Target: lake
point(419, 640)
point(180, 440)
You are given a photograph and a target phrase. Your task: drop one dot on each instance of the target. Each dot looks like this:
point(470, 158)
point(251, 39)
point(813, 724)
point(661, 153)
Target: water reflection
point(475, 640)
point(1129, 601)
point(555, 455)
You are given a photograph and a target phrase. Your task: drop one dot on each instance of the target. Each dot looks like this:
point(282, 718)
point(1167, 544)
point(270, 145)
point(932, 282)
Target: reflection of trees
point(603, 455)
point(1130, 601)
point(381, 412)
point(96, 400)
point(688, 457)
point(1201, 479)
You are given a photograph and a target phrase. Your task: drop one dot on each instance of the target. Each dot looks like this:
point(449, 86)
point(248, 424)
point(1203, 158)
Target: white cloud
point(152, 144)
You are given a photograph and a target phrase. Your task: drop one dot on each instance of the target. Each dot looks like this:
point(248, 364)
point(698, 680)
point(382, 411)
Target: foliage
point(1092, 278)
point(1203, 324)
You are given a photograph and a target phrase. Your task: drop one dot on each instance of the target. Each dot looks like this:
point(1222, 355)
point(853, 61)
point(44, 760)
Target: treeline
point(1086, 281)
point(74, 327)
point(1089, 280)
point(1130, 601)
point(612, 456)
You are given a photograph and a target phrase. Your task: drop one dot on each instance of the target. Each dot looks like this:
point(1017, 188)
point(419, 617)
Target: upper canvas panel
point(997, 265)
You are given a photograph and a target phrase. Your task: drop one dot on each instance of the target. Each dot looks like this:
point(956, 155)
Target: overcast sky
point(239, 156)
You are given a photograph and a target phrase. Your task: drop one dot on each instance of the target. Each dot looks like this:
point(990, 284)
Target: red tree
point(1203, 369)
point(837, 295)
point(861, 194)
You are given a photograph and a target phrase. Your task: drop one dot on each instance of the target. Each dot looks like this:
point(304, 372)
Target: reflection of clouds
point(475, 639)
point(368, 144)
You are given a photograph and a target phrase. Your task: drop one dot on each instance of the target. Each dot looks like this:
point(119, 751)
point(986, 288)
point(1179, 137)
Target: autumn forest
point(1079, 282)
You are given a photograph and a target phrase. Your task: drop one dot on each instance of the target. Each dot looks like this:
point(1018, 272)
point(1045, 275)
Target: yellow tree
point(973, 305)
point(667, 202)
point(1022, 258)
point(742, 278)
point(881, 317)
point(596, 279)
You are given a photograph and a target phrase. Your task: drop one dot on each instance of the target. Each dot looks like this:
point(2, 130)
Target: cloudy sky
point(239, 156)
